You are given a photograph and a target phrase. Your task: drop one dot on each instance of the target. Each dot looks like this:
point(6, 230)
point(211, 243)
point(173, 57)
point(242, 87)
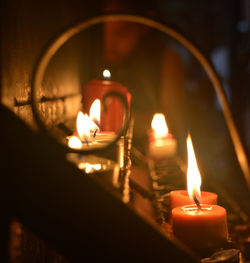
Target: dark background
point(27, 27)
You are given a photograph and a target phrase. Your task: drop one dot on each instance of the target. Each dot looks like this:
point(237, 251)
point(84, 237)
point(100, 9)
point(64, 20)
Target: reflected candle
point(95, 117)
point(88, 134)
point(112, 119)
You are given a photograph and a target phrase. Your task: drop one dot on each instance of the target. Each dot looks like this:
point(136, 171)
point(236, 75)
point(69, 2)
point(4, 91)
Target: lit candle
point(112, 118)
point(200, 225)
point(88, 131)
point(95, 116)
point(84, 127)
point(95, 112)
point(200, 228)
point(162, 144)
point(182, 197)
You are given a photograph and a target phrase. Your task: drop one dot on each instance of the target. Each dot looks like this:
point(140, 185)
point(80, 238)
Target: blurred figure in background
point(148, 63)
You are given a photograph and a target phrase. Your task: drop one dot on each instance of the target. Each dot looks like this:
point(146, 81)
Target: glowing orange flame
point(83, 125)
point(89, 168)
point(95, 111)
point(75, 143)
point(106, 74)
point(193, 174)
point(159, 125)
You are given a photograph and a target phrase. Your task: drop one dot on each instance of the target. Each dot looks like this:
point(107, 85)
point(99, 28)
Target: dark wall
point(27, 28)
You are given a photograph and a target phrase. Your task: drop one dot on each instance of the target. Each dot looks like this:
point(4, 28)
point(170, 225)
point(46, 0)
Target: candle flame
point(89, 168)
point(95, 111)
point(83, 125)
point(193, 174)
point(159, 125)
point(75, 143)
point(106, 74)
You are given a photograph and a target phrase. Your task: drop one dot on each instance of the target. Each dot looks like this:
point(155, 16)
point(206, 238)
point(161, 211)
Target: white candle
point(162, 144)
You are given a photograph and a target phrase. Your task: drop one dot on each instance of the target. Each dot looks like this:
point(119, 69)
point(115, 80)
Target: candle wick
point(197, 202)
point(95, 133)
point(98, 126)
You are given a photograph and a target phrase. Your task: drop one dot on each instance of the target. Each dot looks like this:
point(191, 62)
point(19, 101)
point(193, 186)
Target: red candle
point(200, 228)
point(201, 225)
point(181, 198)
point(111, 120)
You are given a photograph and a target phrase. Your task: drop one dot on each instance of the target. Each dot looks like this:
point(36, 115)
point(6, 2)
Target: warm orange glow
point(74, 143)
point(159, 125)
point(106, 74)
point(83, 125)
point(89, 168)
point(95, 111)
point(193, 174)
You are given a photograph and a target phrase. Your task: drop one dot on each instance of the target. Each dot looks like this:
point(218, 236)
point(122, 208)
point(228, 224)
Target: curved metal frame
point(50, 52)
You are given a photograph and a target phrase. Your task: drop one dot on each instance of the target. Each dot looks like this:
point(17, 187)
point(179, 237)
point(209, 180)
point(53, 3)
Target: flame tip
point(95, 111)
point(193, 174)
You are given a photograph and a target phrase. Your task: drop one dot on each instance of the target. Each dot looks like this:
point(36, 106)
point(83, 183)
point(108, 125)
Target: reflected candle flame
point(95, 112)
point(74, 143)
point(89, 168)
point(83, 125)
point(106, 74)
point(159, 126)
point(193, 174)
